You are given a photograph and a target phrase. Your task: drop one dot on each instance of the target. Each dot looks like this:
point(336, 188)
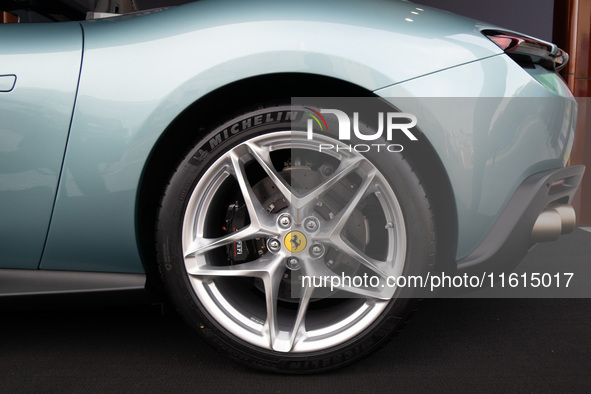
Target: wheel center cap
point(295, 241)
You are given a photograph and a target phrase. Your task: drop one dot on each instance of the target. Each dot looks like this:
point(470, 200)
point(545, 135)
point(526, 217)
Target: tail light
point(527, 50)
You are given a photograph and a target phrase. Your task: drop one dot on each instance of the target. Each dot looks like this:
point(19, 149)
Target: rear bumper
point(538, 211)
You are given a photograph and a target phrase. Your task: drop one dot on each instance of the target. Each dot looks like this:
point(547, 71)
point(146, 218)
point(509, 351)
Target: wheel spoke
point(285, 340)
point(256, 211)
point(340, 220)
point(336, 282)
point(345, 168)
point(360, 257)
point(263, 157)
point(260, 268)
point(203, 245)
point(272, 281)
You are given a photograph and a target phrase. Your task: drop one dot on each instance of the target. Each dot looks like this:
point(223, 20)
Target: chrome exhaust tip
point(568, 216)
point(553, 221)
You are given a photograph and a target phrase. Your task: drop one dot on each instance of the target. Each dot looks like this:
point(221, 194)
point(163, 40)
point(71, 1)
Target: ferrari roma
point(277, 167)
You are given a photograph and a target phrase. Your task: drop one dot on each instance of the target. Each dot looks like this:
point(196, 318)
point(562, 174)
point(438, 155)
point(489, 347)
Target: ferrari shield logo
point(295, 241)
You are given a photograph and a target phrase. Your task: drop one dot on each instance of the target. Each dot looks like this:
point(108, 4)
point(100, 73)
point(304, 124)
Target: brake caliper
point(243, 250)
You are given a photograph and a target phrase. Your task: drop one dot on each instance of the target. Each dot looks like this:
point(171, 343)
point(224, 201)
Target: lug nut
point(311, 224)
point(284, 221)
point(274, 245)
point(317, 250)
point(293, 263)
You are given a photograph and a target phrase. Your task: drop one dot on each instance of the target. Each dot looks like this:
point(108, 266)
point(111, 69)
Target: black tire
point(218, 197)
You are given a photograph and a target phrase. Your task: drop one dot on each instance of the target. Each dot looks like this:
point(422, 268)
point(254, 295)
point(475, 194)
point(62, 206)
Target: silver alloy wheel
point(268, 321)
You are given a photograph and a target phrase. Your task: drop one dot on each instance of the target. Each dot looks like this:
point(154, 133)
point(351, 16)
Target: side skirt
point(14, 282)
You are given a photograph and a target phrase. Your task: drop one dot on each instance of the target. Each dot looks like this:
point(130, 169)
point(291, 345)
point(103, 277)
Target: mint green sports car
point(292, 174)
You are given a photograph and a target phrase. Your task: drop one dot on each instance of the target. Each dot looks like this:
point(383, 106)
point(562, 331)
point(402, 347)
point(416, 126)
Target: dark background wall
point(533, 17)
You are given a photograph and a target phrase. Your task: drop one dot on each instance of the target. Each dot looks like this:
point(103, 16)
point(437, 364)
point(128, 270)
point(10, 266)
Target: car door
point(39, 71)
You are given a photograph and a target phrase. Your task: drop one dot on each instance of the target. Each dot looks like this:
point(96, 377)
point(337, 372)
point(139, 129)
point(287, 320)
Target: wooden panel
point(583, 32)
point(582, 154)
point(6, 17)
point(582, 87)
point(572, 31)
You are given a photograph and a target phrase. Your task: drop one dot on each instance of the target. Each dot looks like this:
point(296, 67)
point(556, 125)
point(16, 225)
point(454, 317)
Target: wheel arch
point(230, 99)
point(435, 180)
